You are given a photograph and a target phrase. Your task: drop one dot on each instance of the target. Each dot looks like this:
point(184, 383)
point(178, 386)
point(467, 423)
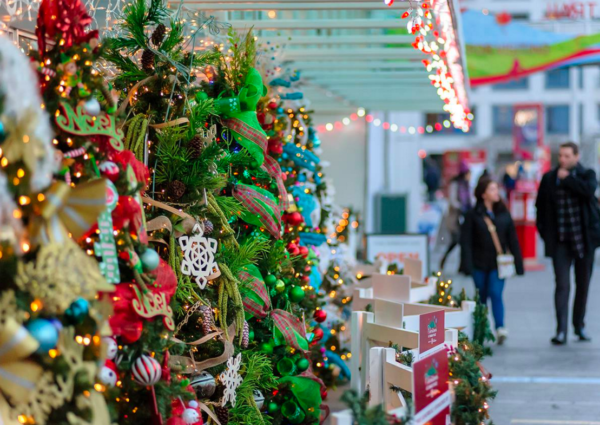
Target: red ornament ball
point(318, 335)
point(320, 316)
point(293, 249)
point(303, 251)
point(323, 394)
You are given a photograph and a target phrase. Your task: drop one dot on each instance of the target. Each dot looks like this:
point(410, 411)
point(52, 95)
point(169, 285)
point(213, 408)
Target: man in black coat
point(568, 219)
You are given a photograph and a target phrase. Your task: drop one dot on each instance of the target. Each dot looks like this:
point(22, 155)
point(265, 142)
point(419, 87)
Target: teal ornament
point(280, 286)
point(45, 334)
point(150, 260)
point(296, 294)
point(2, 133)
point(77, 311)
point(302, 364)
point(270, 280)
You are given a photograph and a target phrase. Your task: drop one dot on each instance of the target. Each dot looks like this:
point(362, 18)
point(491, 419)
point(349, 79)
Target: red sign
point(431, 332)
point(431, 394)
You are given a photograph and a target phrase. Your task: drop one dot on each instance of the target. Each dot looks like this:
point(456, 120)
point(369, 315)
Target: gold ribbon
point(69, 209)
point(18, 377)
point(190, 366)
point(171, 123)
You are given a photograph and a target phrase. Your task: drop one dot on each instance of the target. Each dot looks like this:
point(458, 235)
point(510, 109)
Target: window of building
point(558, 79)
point(520, 84)
point(502, 116)
point(557, 119)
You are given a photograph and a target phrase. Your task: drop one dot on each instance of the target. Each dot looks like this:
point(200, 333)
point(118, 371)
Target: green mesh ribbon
point(256, 300)
point(307, 393)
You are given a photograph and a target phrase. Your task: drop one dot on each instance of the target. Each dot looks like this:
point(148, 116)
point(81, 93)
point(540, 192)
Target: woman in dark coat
point(479, 252)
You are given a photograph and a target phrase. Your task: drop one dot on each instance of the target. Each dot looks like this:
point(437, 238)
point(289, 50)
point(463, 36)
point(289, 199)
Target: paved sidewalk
point(537, 382)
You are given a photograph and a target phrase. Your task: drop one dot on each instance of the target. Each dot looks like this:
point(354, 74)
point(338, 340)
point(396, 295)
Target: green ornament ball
point(251, 335)
point(296, 294)
point(280, 286)
point(302, 364)
point(270, 280)
point(266, 348)
point(273, 407)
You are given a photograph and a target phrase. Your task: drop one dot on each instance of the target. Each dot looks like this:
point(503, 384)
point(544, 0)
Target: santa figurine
point(108, 373)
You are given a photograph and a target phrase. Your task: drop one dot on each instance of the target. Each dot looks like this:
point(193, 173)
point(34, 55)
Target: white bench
point(378, 329)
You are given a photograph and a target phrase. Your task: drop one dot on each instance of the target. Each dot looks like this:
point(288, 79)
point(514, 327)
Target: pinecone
point(245, 335)
point(159, 34)
point(222, 414)
point(195, 146)
point(148, 60)
point(208, 321)
point(208, 227)
point(175, 189)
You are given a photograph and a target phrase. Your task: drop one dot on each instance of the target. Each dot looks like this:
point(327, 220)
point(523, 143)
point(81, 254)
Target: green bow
point(241, 116)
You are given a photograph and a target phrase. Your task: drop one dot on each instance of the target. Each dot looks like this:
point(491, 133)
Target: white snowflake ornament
point(199, 256)
point(231, 379)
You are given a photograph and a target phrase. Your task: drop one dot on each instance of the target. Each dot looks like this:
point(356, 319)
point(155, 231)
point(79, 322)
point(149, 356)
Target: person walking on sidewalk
point(568, 219)
point(459, 202)
point(488, 233)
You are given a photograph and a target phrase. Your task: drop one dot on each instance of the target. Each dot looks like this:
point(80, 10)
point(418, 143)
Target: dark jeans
point(563, 258)
point(491, 286)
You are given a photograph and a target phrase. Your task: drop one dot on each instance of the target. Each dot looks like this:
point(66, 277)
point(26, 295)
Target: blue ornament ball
point(150, 260)
point(302, 178)
point(44, 332)
point(78, 310)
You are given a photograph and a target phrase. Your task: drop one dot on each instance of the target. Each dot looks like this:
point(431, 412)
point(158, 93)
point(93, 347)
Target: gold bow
point(69, 209)
point(18, 377)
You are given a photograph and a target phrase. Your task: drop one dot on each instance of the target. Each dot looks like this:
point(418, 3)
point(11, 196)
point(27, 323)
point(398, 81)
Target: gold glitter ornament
point(60, 274)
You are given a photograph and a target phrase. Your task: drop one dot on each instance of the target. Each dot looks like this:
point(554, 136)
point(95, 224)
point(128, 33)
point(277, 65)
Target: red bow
point(68, 17)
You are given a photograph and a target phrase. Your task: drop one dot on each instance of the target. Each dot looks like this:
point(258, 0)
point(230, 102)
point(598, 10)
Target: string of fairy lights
point(361, 114)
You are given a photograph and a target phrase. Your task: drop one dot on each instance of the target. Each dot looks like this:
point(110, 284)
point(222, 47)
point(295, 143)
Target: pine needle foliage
point(472, 391)
point(175, 162)
point(241, 59)
point(258, 375)
point(364, 415)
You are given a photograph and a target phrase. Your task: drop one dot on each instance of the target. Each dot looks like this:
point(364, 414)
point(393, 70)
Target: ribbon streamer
point(262, 207)
point(290, 328)
point(256, 302)
point(191, 366)
point(18, 377)
point(69, 209)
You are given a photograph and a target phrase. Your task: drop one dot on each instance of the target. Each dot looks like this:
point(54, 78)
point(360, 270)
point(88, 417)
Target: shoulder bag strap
point(492, 228)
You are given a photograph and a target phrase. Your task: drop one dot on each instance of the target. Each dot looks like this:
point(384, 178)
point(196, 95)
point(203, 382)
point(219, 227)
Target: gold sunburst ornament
point(61, 274)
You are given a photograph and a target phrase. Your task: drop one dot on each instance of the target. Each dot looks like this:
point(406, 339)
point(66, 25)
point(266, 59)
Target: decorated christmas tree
point(135, 377)
point(214, 204)
point(51, 322)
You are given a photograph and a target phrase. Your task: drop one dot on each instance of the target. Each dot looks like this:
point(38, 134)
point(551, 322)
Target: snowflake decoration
point(199, 256)
point(231, 379)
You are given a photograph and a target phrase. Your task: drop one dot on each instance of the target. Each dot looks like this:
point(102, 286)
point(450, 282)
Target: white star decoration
point(199, 256)
point(231, 379)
